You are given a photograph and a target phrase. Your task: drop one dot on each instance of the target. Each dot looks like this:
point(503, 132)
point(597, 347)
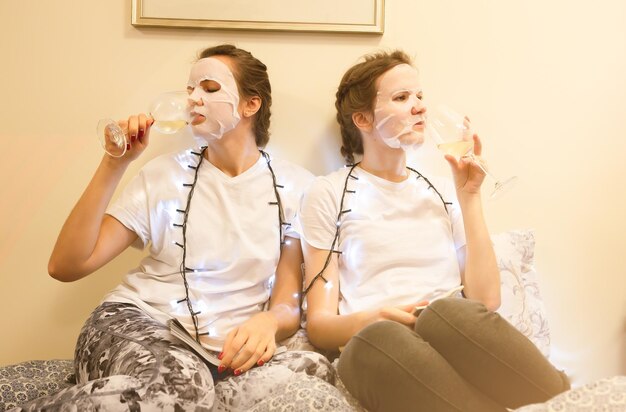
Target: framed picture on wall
point(352, 16)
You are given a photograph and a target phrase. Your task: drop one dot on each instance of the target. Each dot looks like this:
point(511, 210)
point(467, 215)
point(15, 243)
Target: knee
point(377, 365)
point(369, 348)
point(454, 308)
point(379, 331)
point(454, 312)
point(452, 322)
point(187, 378)
point(378, 336)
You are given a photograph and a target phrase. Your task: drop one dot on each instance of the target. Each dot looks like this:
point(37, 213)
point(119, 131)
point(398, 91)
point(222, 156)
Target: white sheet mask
point(219, 107)
point(397, 95)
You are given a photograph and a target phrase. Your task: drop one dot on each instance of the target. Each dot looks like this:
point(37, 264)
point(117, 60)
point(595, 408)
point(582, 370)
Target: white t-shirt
point(398, 243)
point(232, 239)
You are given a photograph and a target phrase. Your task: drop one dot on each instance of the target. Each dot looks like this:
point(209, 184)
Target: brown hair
point(252, 80)
point(357, 92)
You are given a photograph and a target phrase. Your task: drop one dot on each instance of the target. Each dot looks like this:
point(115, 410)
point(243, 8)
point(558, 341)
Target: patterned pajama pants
point(127, 361)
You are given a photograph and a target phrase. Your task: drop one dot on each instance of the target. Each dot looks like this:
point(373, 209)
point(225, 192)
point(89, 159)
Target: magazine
point(181, 333)
point(210, 356)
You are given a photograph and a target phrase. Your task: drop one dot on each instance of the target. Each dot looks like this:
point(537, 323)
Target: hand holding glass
point(452, 134)
point(170, 112)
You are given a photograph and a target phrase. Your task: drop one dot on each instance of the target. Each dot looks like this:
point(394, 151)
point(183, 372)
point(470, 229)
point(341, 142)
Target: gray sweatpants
point(461, 357)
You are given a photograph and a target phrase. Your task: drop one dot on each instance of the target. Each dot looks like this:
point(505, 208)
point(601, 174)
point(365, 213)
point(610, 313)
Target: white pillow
point(521, 304)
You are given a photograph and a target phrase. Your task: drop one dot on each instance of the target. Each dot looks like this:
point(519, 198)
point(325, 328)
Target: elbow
point(292, 325)
point(493, 303)
point(492, 306)
point(56, 271)
point(287, 318)
point(53, 270)
point(491, 299)
point(317, 336)
point(312, 333)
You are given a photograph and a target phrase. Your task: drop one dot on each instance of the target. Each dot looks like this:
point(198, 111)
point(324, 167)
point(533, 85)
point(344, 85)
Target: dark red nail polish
point(220, 356)
point(221, 369)
point(140, 133)
point(128, 147)
point(238, 372)
point(260, 362)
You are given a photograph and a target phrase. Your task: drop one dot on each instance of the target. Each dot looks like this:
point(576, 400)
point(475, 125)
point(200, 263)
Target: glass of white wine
point(169, 110)
point(452, 134)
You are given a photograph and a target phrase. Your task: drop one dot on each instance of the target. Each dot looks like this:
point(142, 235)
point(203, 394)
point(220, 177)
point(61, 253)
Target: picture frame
point(343, 16)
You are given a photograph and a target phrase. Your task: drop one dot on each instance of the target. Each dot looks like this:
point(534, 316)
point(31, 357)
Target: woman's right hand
point(137, 131)
point(402, 314)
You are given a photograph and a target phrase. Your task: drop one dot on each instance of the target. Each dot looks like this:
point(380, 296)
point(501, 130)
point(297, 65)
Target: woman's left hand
point(251, 343)
point(468, 174)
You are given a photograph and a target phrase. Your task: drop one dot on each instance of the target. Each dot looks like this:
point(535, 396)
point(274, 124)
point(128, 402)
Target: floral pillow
point(521, 304)
point(30, 380)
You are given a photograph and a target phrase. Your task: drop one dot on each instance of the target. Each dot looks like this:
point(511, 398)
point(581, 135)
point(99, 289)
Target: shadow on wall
point(325, 156)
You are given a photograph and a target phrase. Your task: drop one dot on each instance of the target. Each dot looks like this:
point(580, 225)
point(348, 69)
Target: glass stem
point(482, 167)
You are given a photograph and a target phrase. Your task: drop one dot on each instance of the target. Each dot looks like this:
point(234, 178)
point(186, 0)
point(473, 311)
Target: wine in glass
point(169, 110)
point(453, 135)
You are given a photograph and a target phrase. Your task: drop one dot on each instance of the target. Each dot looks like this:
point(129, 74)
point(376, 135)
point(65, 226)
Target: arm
point(285, 298)
point(89, 238)
point(326, 328)
point(479, 269)
point(254, 342)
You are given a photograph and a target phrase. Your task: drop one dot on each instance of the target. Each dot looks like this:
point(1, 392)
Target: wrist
point(366, 318)
point(114, 163)
point(271, 320)
point(467, 198)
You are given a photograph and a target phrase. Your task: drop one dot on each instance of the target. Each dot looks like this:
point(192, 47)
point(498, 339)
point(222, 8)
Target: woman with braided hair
point(217, 219)
point(380, 239)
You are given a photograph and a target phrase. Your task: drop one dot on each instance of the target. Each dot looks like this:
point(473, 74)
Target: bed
point(522, 306)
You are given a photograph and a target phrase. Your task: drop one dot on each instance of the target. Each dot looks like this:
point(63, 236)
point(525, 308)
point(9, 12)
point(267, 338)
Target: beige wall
point(543, 82)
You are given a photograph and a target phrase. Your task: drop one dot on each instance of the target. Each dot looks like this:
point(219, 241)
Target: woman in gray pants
point(216, 219)
point(380, 238)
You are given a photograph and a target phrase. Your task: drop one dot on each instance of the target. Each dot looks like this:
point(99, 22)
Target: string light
point(185, 212)
point(431, 186)
point(270, 281)
point(276, 186)
point(320, 275)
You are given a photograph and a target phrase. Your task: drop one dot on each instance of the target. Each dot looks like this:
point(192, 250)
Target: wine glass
point(452, 134)
point(169, 110)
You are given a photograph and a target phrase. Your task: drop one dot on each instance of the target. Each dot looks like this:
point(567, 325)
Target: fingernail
point(260, 362)
point(238, 372)
point(221, 369)
point(220, 356)
point(132, 137)
point(140, 133)
point(128, 147)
